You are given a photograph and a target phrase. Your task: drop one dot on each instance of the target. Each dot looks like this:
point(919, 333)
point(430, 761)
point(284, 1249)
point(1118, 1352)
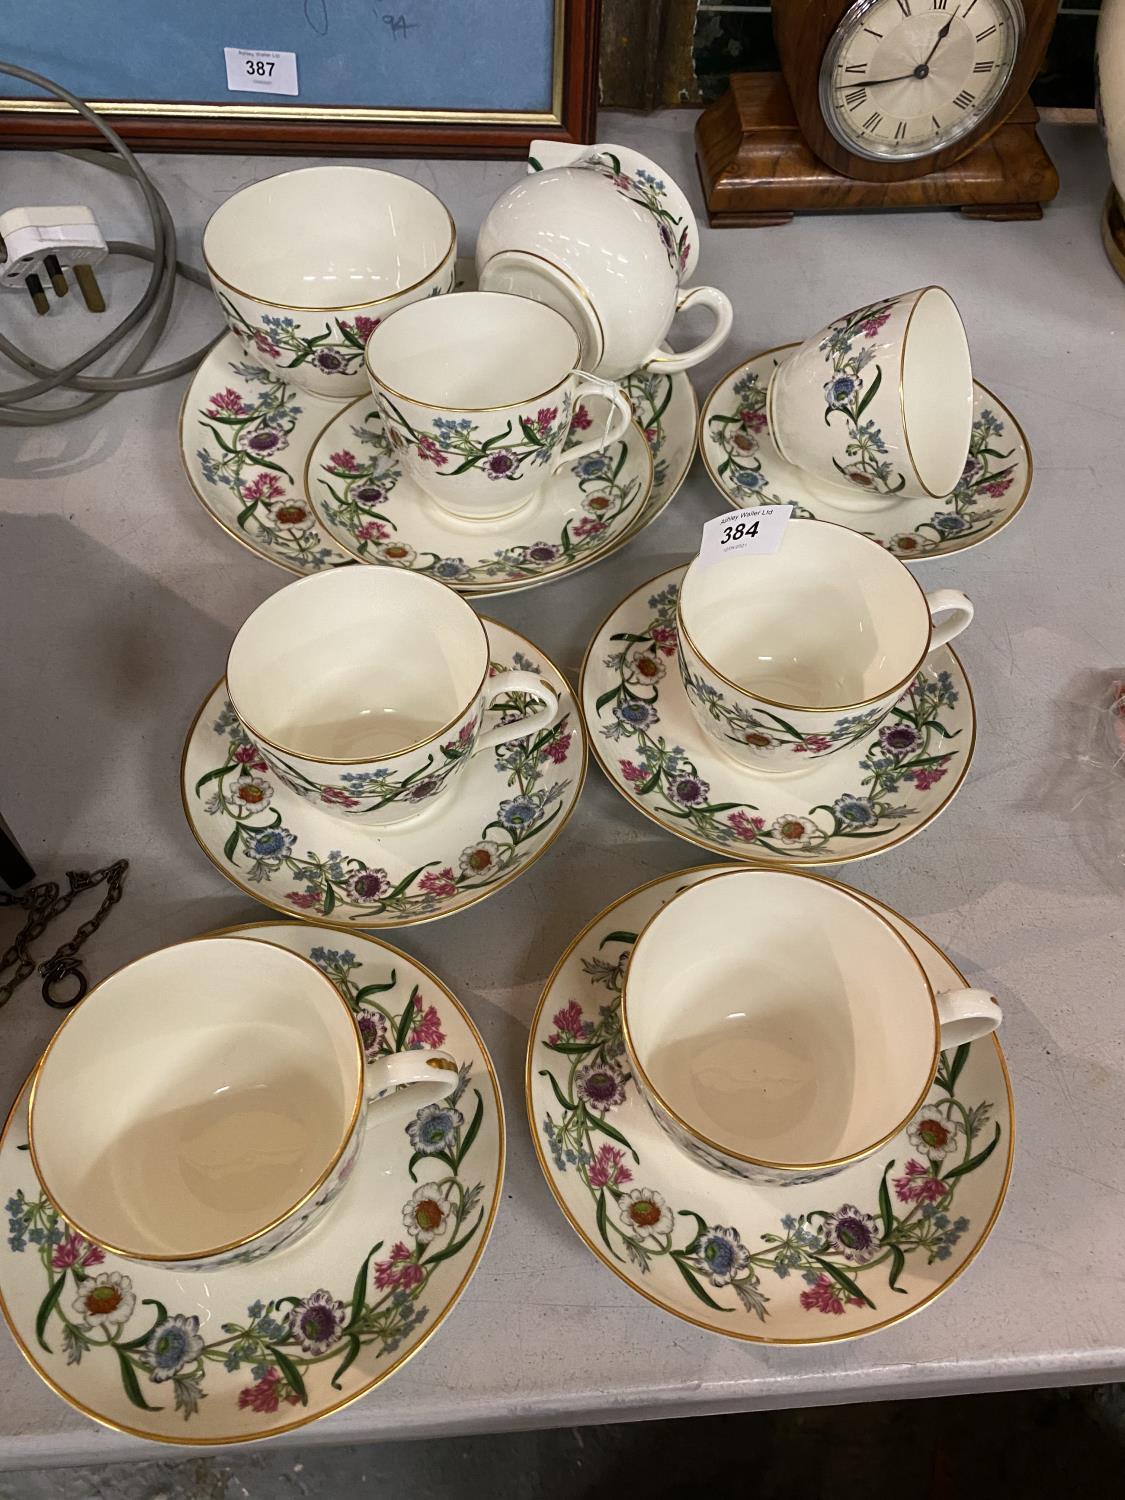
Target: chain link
point(43, 903)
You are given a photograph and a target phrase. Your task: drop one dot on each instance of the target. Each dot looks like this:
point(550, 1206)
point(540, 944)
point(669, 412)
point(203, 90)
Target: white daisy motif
point(934, 1135)
point(644, 1213)
point(427, 1214)
point(108, 1298)
point(794, 832)
point(250, 792)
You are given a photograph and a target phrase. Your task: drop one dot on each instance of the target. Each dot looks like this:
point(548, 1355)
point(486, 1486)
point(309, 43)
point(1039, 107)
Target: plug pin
point(38, 295)
point(55, 272)
point(88, 286)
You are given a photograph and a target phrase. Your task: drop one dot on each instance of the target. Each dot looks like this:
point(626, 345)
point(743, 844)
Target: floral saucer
point(775, 1265)
point(249, 1351)
point(508, 808)
point(368, 506)
point(245, 438)
point(860, 801)
point(740, 457)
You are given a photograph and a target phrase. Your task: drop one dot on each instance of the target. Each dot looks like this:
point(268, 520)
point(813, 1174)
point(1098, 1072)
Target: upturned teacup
point(365, 690)
point(780, 1028)
point(879, 403)
point(307, 264)
point(205, 1104)
point(791, 656)
point(605, 236)
point(480, 392)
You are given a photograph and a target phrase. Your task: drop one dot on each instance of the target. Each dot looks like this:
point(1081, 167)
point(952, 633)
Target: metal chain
point(43, 903)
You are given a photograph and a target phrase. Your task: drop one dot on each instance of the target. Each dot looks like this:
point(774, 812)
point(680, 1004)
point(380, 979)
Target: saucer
point(248, 1351)
point(369, 506)
point(507, 809)
point(805, 1264)
point(860, 801)
point(245, 438)
point(741, 459)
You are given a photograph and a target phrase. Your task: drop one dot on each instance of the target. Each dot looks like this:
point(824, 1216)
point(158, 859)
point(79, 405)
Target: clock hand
point(923, 68)
point(941, 36)
point(870, 83)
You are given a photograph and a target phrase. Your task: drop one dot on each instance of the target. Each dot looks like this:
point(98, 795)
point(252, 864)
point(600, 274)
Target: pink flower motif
point(581, 419)
point(373, 531)
point(753, 421)
point(872, 326)
point(633, 772)
point(826, 1297)
point(812, 742)
point(544, 417)
point(363, 327)
point(345, 459)
point(266, 345)
point(306, 900)
point(246, 755)
point(228, 402)
point(265, 487)
point(665, 638)
point(918, 1185)
point(998, 487)
point(428, 449)
point(925, 777)
point(73, 1250)
point(265, 1395)
point(569, 1025)
point(588, 526)
point(745, 826)
point(438, 883)
point(336, 797)
point(557, 747)
point(466, 732)
point(651, 434)
point(607, 1168)
point(399, 1272)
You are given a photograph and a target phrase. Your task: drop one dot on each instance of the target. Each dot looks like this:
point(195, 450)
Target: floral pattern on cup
point(457, 444)
point(912, 753)
point(259, 848)
point(813, 1263)
point(650, 193)
point(354, 490)
point(764, 730)
point(738, 438)
point(286, 1350)
point(851, 390)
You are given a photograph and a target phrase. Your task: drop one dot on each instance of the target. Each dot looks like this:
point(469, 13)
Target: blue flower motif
point(450, 567)
point(593, 466)
point(271, 843)
point(949, 524)
point(857, 811)
point(749, 479)
point(840, 389)
point(255, 1310)
point(719, 1254)
point(520, 812)
point(638, 715)
point(434, 1127)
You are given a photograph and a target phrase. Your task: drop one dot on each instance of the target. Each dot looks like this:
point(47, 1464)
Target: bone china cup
point(781, 1029)
point(365, 689)
point(790, 656)
point(606, 237)
point(306, 264)
point(479, 391)
point(205, 1104)
point(879, 403)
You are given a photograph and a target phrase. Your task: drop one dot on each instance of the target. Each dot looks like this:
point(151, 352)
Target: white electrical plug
point(38, 240)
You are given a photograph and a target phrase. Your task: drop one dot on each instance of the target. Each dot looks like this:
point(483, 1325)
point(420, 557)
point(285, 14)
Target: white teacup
point(879, 403)
point(604, 235)
point(205, 1104)
point(365, 690)
point(307, 264)
point(780, 1029)
point(790, 656)
point(479, 391)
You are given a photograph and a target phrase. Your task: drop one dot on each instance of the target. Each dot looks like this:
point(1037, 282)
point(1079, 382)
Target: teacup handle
point(615, 428)
point(543, 718)
point(959, 609)
point(436, 1072)
point(669, 361)
point(966, 1016)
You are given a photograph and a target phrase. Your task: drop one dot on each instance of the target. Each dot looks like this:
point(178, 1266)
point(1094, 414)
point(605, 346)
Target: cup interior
point(356, 664)
point(472, 350)
point(195, 1097)
point(829, 620)
point(328, 237)
point(937, 390)
point(780, 1018)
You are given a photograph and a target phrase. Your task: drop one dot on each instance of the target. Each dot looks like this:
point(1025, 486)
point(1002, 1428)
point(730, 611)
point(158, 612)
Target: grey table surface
point(118, 598)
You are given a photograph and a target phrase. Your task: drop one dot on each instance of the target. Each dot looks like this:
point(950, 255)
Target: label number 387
point(739, 532)
point(257, 67)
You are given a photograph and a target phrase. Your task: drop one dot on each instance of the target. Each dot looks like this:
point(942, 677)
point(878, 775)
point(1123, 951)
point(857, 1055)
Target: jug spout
point(543, 155)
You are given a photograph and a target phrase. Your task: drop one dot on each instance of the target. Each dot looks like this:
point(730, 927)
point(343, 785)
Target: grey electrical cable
point(154, 305)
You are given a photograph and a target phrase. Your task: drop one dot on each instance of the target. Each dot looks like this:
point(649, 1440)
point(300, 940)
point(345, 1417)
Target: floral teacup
point(307, 264)
point(780, 1028)
point(879, 403)
point(479, 392)
point(205, 1104)
point(605, 236)
point(790, 656)
point(364, 690)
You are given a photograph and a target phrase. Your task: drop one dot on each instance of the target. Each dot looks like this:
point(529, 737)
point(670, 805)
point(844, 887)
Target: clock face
point(903, 79)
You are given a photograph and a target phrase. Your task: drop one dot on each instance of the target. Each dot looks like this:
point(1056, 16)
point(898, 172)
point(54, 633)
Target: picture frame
point(489, 109)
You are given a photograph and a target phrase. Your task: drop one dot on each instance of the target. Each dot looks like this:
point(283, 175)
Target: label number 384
point(739, 532)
